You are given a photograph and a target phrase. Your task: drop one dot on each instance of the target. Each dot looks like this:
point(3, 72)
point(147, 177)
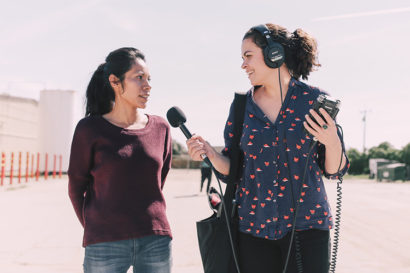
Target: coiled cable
point(336, 234)
point(294, 234)
point(337, 227)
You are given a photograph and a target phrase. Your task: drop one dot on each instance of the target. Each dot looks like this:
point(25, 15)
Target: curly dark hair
point(300, 48)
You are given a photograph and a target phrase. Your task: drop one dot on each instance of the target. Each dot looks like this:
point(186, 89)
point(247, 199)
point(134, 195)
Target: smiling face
point(136, 85)
point(253, 64)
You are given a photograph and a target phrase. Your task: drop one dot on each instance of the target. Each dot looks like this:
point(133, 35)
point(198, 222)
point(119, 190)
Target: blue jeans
point(151, 254)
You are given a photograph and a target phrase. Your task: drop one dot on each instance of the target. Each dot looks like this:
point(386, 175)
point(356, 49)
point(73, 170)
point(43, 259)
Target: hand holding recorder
point(320, 122)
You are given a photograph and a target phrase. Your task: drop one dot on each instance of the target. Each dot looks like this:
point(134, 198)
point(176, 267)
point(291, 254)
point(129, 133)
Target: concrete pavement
point(39, 231)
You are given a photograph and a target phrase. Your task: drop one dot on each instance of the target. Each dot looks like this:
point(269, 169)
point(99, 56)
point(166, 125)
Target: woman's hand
point(326, 131)
point(198, 146)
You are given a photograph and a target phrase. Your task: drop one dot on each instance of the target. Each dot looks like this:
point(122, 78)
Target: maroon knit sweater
point(116, 178)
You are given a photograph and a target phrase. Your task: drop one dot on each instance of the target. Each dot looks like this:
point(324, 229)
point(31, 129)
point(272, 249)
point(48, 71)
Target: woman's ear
point(115, 83)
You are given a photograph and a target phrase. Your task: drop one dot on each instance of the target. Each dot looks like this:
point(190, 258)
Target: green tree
point(385, 150)
point(405, 154)
point(359, 162)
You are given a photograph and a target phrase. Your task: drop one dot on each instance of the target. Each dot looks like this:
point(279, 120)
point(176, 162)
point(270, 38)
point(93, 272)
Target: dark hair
point(300, 48)
point(100, 95)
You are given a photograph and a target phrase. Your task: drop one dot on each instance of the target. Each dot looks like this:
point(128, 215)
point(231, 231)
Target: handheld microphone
point(177, 118)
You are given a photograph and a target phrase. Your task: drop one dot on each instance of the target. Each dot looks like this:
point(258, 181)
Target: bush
point(405, 154)
point(178, 148)
point(359, 162)
point(184, 162)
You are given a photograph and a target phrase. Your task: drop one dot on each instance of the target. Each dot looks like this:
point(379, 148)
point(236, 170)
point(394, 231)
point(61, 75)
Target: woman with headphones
point(281, 186)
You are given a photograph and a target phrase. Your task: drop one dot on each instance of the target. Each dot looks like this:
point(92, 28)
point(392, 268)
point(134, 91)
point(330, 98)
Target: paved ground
point(39, 231)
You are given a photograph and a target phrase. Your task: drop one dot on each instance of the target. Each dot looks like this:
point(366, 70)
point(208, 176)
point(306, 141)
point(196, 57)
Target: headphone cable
point(295, 205)
point(280, 87)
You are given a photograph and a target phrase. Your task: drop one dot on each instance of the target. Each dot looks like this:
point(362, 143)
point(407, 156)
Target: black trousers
point(258, 255)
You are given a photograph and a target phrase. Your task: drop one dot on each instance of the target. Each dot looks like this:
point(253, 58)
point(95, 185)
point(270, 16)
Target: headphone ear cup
point(274, 55)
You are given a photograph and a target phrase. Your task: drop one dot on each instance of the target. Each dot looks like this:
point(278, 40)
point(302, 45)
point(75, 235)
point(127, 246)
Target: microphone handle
point(188, 135)
point(185, 131)
point(206, 159)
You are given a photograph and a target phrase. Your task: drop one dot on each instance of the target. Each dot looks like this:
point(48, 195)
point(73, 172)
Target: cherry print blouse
point(274, 159)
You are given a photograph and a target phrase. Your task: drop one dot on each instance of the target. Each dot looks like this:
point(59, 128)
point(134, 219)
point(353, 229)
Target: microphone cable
point(176, 118)
point(227, 222)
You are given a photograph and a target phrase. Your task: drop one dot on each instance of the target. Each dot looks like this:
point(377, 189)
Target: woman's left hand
point(326, 131)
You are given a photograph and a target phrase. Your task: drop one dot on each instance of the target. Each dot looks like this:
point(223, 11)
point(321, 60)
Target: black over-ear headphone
point(273, 53)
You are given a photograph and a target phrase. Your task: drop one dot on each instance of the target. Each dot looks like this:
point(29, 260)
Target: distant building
point(375, 163)
point(19, 124)
point(392, 172)
point(44, 126)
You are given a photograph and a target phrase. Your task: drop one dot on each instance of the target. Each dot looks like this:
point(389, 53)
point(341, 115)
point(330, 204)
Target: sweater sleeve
point(79, 176)
point(167, 156)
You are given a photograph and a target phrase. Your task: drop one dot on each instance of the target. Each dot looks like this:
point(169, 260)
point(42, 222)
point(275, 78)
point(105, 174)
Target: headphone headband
point(263, 29)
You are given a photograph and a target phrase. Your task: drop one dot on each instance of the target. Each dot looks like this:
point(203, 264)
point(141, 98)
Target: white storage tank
point(58, 116)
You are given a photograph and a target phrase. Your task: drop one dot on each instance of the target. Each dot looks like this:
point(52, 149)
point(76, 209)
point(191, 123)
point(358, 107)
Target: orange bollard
point(61, 166)
point(27, 163)
point(19, 176)
point(3, 166)
point(11, 168)
point(38, 166)
point(45, 169)
point(32, 166)
point(54, 166)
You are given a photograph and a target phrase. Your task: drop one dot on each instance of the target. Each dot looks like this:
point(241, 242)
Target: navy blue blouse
point(275, 155)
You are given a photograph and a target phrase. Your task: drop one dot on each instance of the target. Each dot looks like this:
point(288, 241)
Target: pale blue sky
point(193, 51)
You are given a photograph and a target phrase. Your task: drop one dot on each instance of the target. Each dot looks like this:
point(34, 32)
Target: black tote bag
point(213, 237)
point(214, 245)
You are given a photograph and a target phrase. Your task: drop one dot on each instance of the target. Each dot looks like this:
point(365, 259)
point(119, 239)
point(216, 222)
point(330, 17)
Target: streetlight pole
point(364, 132)
point(364, 112)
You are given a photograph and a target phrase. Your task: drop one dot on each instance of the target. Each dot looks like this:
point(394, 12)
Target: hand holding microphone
point(198, 148)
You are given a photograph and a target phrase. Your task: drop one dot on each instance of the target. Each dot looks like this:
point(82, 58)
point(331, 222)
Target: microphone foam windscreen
point(175, 116)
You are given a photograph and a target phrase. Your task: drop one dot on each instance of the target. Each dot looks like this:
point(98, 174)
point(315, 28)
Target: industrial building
point(30, 129)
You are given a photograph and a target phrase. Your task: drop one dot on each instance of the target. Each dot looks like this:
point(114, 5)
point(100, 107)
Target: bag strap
point(236, 154)
point(239, 104)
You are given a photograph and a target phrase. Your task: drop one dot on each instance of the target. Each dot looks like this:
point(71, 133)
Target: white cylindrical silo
point(58, 116)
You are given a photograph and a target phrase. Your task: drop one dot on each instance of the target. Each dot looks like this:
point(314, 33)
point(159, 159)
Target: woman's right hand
point(198, 146)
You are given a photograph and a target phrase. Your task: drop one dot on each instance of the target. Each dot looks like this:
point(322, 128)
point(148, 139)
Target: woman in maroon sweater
point(119, 160)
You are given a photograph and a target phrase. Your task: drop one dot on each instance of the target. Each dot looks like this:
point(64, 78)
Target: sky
point(193, 51)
